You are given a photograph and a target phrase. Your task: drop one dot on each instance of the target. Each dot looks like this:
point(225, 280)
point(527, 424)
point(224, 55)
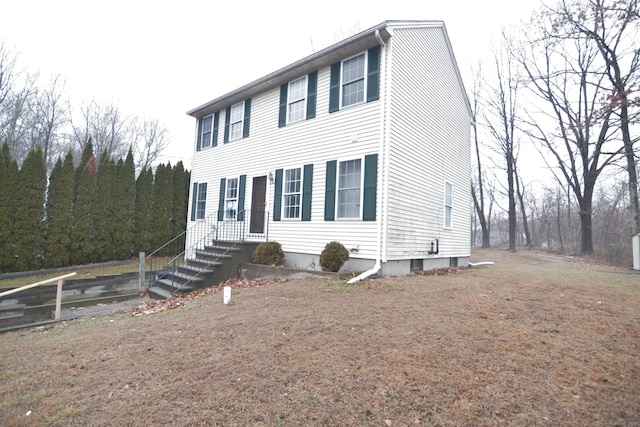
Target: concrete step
point(175, 286)
point(157, 292)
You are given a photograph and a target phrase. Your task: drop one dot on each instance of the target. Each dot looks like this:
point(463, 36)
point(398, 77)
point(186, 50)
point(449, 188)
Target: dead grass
point(533, 340)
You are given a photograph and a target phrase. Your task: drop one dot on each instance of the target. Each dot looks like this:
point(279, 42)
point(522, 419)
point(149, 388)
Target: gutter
point(378, 265)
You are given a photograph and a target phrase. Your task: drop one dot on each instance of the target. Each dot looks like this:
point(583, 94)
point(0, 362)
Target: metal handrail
point(231, 228)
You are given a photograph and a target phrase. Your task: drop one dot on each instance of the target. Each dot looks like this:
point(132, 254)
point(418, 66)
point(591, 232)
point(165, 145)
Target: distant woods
point(93, 212)
point(561, 90)
point(36, 113)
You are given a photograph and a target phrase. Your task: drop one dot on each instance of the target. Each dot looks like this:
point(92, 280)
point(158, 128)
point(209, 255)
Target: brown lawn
point(535, 339)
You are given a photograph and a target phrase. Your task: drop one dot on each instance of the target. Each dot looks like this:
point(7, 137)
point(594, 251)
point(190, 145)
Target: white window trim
point(303, 99)
point(283, 204)
point(226, 198)
point(337, 209)
point(202, 132)
point(241, 121)
point(366, 71)
point(445, 206)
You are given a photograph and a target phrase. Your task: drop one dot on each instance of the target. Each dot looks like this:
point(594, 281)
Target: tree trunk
point(512, 202)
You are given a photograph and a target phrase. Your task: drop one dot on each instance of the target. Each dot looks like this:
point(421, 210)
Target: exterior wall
point(268, 147)
point(425, 134)
point(428, 145)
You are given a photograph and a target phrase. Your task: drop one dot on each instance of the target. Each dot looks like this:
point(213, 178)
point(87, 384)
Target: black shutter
point(247, 118)
point(216, 128)
point(312, 89)
point(277, 196)
point(227, 119)
point(282, 115)
point(194, 201)
point(330, 191)
point(373, 74)
point(223, 182)
point(370, 187)
point(199, 138)
point(334, 88)
point(307, 186)
point(241, 191)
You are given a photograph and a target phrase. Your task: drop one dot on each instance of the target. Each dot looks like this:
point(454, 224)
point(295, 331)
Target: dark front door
point(258, 204)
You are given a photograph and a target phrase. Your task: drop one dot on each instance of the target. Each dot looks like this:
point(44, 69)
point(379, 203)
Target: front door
point(258, 204)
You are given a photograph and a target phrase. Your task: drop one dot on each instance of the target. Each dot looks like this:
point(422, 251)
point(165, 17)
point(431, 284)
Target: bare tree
point(566, 78)
point(106, 126)
point(614, 26)
point(477, 187)
point(500, 118)
point(148, 138)
point(49, 115)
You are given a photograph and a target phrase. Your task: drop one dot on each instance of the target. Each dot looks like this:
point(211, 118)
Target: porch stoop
point(209, 266)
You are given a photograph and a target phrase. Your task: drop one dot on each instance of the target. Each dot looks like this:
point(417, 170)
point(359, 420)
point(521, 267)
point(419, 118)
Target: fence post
point(58, 299)
point(141, 279)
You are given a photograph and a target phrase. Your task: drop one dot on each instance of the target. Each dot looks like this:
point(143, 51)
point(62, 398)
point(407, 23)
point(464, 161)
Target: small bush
point(268, 253)
point(333, 256)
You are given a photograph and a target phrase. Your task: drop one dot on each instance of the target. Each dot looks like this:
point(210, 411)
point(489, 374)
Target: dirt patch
point(532, 340)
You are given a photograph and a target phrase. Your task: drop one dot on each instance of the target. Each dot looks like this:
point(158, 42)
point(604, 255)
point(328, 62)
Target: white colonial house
point(366, 142)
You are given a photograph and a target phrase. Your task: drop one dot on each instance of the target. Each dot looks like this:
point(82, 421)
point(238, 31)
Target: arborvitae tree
point(29, 213)
point(125, 211)
point(162, 212)
point(144, 200)
point(87, 153)
point(8, 179)
point(105, 212)
point(83, 231)
point(59, 213)
point(180, 199)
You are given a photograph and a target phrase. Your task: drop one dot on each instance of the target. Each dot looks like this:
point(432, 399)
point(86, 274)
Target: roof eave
point(350, 46)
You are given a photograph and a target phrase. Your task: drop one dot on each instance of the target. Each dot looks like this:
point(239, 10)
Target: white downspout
point(378, 265)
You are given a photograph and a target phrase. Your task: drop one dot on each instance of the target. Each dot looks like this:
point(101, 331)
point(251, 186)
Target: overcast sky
point(159, 59)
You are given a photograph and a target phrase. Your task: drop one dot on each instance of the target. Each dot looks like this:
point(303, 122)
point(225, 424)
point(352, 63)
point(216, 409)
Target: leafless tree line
point(566, 83)
point(33, 113)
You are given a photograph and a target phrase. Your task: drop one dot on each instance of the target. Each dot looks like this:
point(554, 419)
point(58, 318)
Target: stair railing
point(229, 226)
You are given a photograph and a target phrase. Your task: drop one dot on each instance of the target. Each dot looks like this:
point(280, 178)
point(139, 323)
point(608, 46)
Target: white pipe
point(478, 264)
point(366, 274)
point(378, 265)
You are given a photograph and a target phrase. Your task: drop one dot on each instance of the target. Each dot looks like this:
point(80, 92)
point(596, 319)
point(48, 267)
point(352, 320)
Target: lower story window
point(201, 200)
point(448, 205)
point(292, 193)
point(349, 182)
point(231, 199)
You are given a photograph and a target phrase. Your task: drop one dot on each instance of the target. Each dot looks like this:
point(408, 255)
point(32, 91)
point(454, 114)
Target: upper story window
point(349, 184)
point(231, 199)
point(353, 81)
point(297, 100)
point(206, 132)
point(448, 205)
point(235, 121)
point(292, 193)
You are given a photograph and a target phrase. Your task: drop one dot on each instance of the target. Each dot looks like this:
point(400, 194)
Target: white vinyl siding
point(429, 144)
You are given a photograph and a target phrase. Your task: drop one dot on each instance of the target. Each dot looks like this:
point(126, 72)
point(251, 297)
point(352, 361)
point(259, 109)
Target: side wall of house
point(343, 135)
point(429, 146)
